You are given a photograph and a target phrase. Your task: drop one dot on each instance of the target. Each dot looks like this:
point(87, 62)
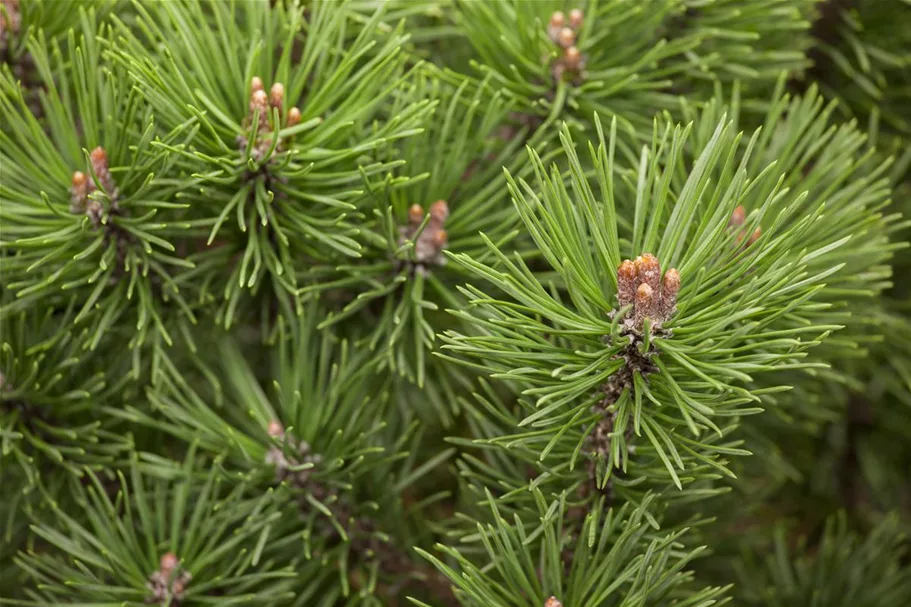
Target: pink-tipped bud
point(440, 238)
point(649, 271)
point(168, 563)
point(275, 429)
point(258, 100)
point(572, 59)
point(99, 158)
point(555, 25)
point(646, 304)
point(415, 214)
point(79, 192)
point(576, 17)
point(626, 283)
point(566, 38)
point(737, 217)
point(277, 95)
point(439, 211)
point(553, 602)
point(670, 286)
point(256, 84)
point(757, 233)
point(294, 116)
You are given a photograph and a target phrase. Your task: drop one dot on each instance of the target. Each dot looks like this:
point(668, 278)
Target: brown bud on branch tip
point(572, 58)
point(258, 100)
point(277, 95)
point(294, 116)
point(669, 289)
point(754, 236)
point(576, 16)
point(168, 563)
point(646, 304)
point(626, 283)
point(78, 179)
point(556, 23)
point(566, 38)
point(737, 217)
point(649, 271)
point(439, 211)
point(415, 215)
point(275, 429)
point(256, 84)
point(440, 238)
point(553, 602)
point(99, 158)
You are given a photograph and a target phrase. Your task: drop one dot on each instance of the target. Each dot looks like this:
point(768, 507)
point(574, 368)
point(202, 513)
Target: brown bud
point(649, 271)
point(256, 84)
point(439, 211)
point(168, 563)
point(553, 602)
point(558, 19)
point(440, 238)
point(646, 304)
point(754, 236)
point(79, 192)
point(572, 59)
point(258, 101)
point(669, 289)
point(566, 38)
point(737, 217)
point(277, 95)
point(626, 283)
point(294, 116)
point(576, 16)
point(415, 215)
point(99, 158)
point(275, 429)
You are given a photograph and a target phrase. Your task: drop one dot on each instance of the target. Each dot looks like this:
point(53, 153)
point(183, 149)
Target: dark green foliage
point(520, 303)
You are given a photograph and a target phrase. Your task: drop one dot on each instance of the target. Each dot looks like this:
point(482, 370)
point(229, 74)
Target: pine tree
point(447, 302)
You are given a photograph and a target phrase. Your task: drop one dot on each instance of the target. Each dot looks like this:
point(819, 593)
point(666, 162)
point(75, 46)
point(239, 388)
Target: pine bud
point(294, 116)
point(648, 270)
point(576, 17)
point(646, 304)
point(260, 102)
point(168, 563)
point(626, 283)
point(415, 215)
point(572, 59)
point(440, 238)
point(439, 211)
point(277, 95)
point(737, 217)
point(79, 192)
point(553, 602)
point(256, 84)
point(557, 21)
point(669, 289)
point(754, 236)
point(566, 38)
point(275, 429)
point(100, 165)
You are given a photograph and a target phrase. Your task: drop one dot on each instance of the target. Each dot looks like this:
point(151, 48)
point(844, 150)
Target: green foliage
point(289, 317)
